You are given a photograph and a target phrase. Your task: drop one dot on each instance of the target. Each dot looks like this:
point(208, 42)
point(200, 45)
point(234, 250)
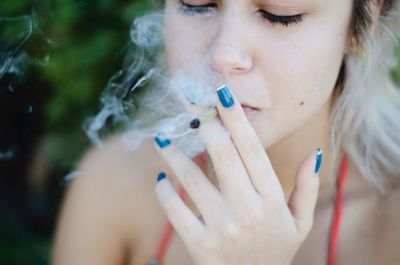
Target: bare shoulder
point(105, 206)
point(389, 222)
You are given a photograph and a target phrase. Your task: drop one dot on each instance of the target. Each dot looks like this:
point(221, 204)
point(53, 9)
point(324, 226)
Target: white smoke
point(146, 99)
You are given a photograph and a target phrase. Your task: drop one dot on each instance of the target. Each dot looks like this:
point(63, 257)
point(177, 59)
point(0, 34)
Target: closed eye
point(282, 20)
point(192, 10)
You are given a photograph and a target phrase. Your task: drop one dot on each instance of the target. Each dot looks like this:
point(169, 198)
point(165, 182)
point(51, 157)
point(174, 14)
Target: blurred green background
point(74, 49)
point(76, 46)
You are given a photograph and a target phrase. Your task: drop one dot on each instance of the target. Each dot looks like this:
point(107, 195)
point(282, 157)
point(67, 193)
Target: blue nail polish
point(161, 176)
point(162, 141)
point(318, 161)
point(225, 96)
point(154, 262)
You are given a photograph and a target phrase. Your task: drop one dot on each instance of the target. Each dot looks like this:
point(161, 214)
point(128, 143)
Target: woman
point(301, 75)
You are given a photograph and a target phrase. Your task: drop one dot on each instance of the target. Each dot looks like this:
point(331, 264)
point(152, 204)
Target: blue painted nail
point(225, 96)
point(318, 161)
point(161, 176)
point(154, 262)
point(162, 141)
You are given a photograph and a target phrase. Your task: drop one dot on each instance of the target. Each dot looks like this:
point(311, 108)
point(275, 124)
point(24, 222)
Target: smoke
point(146, 98)
point(7, 155)
point(15, 57)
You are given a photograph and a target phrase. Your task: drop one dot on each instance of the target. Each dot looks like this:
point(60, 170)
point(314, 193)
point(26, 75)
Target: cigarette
point(211, 113)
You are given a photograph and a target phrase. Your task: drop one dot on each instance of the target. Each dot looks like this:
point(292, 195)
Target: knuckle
point(204, 244)
point(225, 153)
point(230, 232)
point(191, 177)
point(252, 218)
point(253, 147)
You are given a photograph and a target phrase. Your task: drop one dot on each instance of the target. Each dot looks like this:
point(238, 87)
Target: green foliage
point(79, 45)
point(85, 46)
point(19, 247)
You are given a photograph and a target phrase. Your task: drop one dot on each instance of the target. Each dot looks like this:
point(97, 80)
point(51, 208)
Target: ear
point(376, 7)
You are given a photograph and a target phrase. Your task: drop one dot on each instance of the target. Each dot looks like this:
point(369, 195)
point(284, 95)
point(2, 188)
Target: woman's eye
point(192, 10)
point(282, 20)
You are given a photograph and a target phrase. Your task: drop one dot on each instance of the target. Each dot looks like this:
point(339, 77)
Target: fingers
point(188, 226)
point(247, 143)
point(230, 170)
point(192, 178)
point(304, 196)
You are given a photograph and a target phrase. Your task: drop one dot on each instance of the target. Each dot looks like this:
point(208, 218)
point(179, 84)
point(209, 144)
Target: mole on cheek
point(302, 103)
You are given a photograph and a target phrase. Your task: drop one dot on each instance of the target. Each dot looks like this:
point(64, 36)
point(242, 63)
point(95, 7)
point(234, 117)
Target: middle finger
point(230, 170)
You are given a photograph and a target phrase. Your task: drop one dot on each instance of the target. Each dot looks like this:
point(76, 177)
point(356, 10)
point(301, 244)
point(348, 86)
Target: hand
point(248, 220)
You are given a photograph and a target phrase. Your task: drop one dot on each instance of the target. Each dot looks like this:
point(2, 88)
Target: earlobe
point(375, 9)
point(373, 13)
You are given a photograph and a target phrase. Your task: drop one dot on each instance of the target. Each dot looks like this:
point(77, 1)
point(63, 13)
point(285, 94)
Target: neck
point(287, 155)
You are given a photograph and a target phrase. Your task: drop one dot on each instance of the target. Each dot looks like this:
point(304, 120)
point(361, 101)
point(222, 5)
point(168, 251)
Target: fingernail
point(161, 176)
point(225, 96)
point(318, 160)
point(162, 141)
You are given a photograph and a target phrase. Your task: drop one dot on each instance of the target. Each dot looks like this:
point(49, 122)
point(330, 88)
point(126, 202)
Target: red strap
point(168, 229)
point(335, 222)
point(338, 210)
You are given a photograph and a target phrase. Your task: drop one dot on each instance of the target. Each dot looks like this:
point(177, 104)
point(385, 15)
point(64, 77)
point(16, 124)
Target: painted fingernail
point(318, 160)
point(162, 141)
point(225, 96)
point(161, 176)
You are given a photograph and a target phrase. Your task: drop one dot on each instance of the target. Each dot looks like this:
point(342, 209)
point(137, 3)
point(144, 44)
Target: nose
point(230, 52)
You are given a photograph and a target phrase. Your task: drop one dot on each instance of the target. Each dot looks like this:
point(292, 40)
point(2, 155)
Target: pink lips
point(248, 108)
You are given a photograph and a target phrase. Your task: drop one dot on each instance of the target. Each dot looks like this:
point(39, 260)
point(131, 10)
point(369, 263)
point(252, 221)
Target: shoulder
point(115, 175)
point(107, 204)
point(385, 232)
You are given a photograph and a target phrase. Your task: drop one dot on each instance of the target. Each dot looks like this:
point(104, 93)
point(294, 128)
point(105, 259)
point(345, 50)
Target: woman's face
point(281, 57)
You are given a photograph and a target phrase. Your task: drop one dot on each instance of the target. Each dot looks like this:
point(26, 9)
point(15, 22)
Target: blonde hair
point(366, 116)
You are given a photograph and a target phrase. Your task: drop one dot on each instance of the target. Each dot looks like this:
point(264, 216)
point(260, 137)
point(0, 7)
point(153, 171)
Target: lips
point(247, 106)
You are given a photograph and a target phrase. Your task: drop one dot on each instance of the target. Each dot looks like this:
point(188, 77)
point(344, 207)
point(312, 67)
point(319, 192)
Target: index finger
point(247, 143)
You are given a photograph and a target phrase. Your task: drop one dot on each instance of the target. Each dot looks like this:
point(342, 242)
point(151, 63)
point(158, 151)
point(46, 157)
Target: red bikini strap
point(334, 228)
point(167, 233)
point(338, 209)
point(168, 229)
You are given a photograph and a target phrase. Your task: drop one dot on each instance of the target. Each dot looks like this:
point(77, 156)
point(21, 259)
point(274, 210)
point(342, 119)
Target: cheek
point(300, 78)
point(304, 70)
point(185, 42)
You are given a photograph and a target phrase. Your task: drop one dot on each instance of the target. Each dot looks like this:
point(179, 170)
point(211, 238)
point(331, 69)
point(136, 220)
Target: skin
point(289, 74)
point(293, 116)
point(237, 227)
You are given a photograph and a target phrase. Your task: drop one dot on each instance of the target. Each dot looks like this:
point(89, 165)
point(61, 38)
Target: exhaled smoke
point(15, 35)
point(147, 98)
point(14, 32)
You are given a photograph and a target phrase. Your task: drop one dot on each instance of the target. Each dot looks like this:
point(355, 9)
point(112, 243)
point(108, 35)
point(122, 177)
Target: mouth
point(248, 108)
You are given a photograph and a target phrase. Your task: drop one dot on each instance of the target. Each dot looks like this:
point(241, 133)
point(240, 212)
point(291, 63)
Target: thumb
point(305, 193)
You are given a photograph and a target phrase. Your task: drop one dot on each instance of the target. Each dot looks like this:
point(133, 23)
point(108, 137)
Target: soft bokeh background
point(76, 46)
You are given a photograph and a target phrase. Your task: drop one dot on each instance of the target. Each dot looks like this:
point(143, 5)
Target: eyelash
point(192, 10)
